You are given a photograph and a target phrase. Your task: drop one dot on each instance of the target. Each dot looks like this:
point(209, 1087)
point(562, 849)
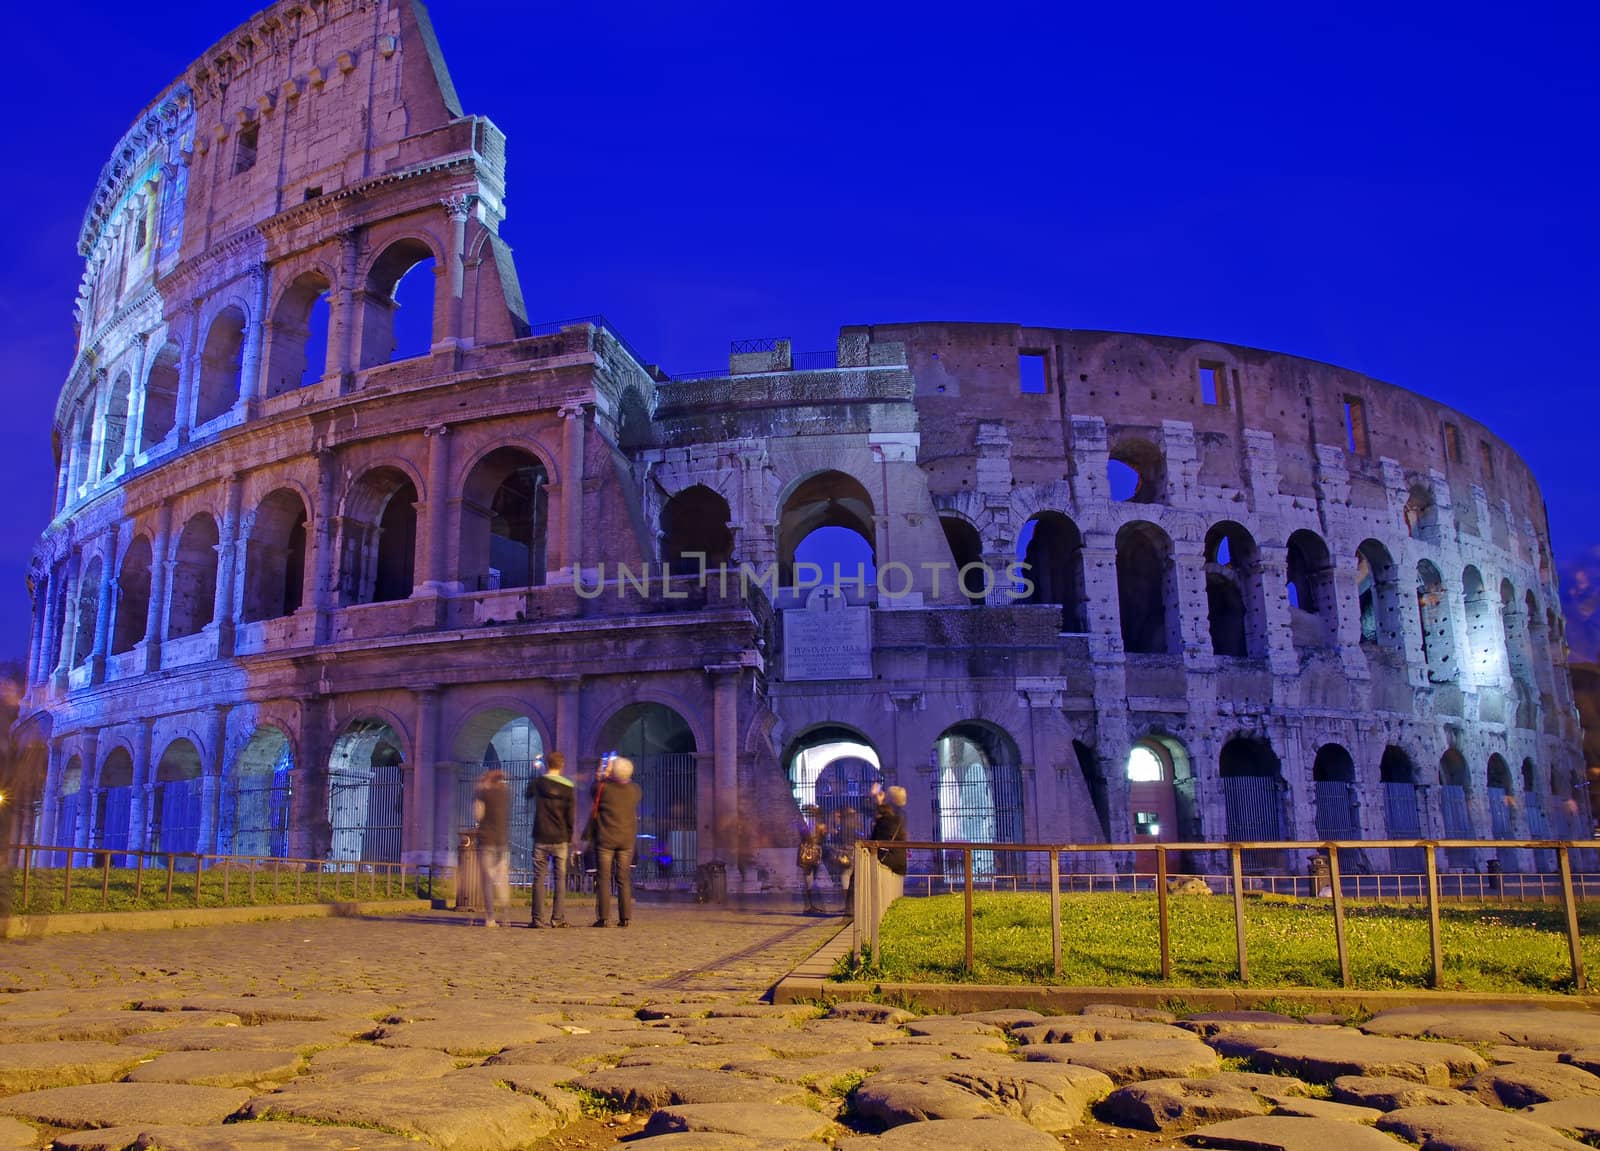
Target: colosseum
point(307, 577)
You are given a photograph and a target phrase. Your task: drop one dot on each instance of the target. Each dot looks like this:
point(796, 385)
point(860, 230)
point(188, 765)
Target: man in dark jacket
point(555, 813)
point(614, 826)
point(890, 825)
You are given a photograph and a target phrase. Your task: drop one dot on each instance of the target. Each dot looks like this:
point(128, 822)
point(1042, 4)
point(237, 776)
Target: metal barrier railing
point(160, 870)
point(875, 891)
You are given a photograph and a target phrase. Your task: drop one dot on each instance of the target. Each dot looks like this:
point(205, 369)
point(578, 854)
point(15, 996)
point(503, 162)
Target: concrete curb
point(39, 926)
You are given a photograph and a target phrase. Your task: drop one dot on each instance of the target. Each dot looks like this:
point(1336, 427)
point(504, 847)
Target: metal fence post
point(105, 879)
point(27, 873)
point(1338, 913)
point(1570, 905)
point(1435, 944)
point(966, 863)
point(1237, 866)
point(1055, 912)
point(1162, 923)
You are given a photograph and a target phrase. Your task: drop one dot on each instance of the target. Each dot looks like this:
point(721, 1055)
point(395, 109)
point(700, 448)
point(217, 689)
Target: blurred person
point(841, 853)
point(555, 817)
point(812, 834)
point(889, 825)
point(491, 803)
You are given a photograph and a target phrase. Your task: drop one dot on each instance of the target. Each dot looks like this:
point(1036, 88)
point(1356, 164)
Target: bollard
point(1055, 912)
point(1337, 886)
point(1162, 922)
point(1237, 866)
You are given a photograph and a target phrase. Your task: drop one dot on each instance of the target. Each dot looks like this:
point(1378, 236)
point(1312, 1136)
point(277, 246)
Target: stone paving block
point(1473, 1129)
point(647, 1088)
point(1323, 1109)
point(870, 1012)
point(1587, 1058)
point(218, 1068)
point(362, 1064)
point(819, 1071)
point(715, 1141)
point(253, 1009)
point(1290, 1133)
point(1093, 1028)
point(1515, 1085)
point(770, 1121)
point(15, 1135)
point(35, 1066)
point(1161, 1104)
point(1127, 1011)
point(1322, 1056)
point(304, 1036)
point(709, 1056)
point(1578, 1117)
point(469, 1037)
point(104, 1026)
point(551, 1085)
point(1505, 1053)
point(1212, 1022)
point(1005, 1017)
point(1387, 1093)
point(996, 1133)
point(263, 1136)
point(1131, 1060)
point(889, 1101)
point(949, 1027)
point(121, 1104)
point(1540, 1027)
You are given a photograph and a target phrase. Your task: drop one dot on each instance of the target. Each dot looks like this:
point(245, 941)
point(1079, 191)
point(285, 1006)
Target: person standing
point(491, 803)
point(889, 825)
point(808, 852)
point(842, 836)
point(555, 812)
point(614, 827)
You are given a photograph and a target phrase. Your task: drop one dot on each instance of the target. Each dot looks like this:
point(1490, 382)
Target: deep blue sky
point(1412, 197)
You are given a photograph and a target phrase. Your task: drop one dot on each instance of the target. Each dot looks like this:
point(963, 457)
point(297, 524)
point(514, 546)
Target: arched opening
point(1378, 593)
point(1402, 814)
point(115, 440)
point(979, 796)
point(221, 364)
point(175, 803)
point(1422, 517)
point(378, 539)
point(1333, 773)
point(1310, 588)
point(160, 414)
point(966, 547)
point(1252, 793)
point(133, 597)
point(834, 767)
point(1539, 650)
point(662, 748)
point(298, 339)
point(275, 557)
point(366, 794)
point(194, 578)
point(255, 810)
point(88, 612)
point(1499, 796)
point(113, 816)
point(823, 501)
point(1453, 785)
point(1161, 799)
point(1136, 471)
point(1146, 589)
point(501, 738)
point(69, 811)
point(1483, 634)
point(1052, 547)
point(633, 419)
point(504, 521)
point(1234, 595)
point(1534, 800)
point(83, 445)
point(1438, 633)
point(694, 531)
point(1517, 653)
point(398, 305)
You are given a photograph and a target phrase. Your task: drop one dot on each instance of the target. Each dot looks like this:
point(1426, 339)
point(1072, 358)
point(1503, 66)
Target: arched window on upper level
point(1484, 646)
point(133, 597)
point(505, 521)
point(966, 547)
point(160, 398)
point(1235, 598)
point(1147, 590)
point(1136, 471)
point(1422, 514)
point(1052, 547)
point(378, 539)
point(694, 531)
point(275, 557)
point(297, 337)
point(82, 445)
point(835, 503)
point(193, 598)
point(1378, 593)
point(397, 312)
point(115, 438)
point(88, 611)
point(1313, 611)
point(221, 364)
point(1438, 632)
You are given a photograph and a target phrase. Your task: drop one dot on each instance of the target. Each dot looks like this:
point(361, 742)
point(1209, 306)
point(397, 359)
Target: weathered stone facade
point(288, 606)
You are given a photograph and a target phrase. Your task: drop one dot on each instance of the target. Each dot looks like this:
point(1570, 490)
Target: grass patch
point(127, 889)
point(1110, 940)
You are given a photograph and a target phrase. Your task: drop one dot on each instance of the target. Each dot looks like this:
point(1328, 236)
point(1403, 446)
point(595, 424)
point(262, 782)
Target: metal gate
point(256, 822)
point(366, 813)
point(981, 804)
point(1336, 810)
point(1457, 824)
point(517, 772)
point(65, 833)
point(667, 850)
point(1403, 820)
point(116, 812)
point(1254, 806)
point(176, 826)
point(1499, 812)
point(1539, 828)
point(846, 783)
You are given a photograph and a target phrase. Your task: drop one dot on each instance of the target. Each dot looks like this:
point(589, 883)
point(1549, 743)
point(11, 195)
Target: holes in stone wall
point(398, 306)
point(1438, 633)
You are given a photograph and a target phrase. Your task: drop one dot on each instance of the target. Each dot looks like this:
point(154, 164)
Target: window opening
point(1030, 368)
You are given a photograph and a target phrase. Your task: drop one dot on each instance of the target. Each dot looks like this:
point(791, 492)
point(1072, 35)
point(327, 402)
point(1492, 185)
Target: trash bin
point(711, 882)
point(1321, 884)
point(1495, 871)
point(469, 887)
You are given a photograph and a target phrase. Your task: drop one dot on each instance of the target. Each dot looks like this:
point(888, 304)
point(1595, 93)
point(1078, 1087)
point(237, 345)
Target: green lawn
point(1111, 939)
point(126, 891)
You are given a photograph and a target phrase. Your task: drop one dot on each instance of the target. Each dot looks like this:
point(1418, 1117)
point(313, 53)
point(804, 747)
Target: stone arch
point(1421, 513)
point(1402, 810)
point(1378, 596)
point(1483, 634)
point(297, 333)
point(1499, 796)
point(83, 443)
point(512, 739)
point(1136, 470)
point(966, 545)
point(113, 800)
point(1161, 793)
point(1438, 630)
point(161, 383)
point(87, 613)
point(823, 499)
point(70, 804)
point(176, 799)
point(978, 794)
point(257, 796)
point(1454, 788)
point(1333, 774)
point(221, 364)
point(402, 258)
point(834, 766)
point(1147, 592)
point(114, 440)
point(695, 520)
point(378, 538)
point(1313, 610)
point(1253, 790)
point(1235, 596)
point(662, 746)
point(1052, 547)
point(505, 520)
point(133, 596)
point(366, 792)
point(275, 556)
point(192, 600)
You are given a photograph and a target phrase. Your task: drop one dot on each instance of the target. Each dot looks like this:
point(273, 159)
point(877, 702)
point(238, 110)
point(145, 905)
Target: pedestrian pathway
point(423, 1030)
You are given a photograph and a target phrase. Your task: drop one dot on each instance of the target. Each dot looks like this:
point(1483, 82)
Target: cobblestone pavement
point(425, 1031)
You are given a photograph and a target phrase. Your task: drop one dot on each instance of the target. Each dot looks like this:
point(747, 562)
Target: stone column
point(50, 808)
point(211, 779)
point(139, 806)
point(40, 645)
point(1282, 658)
point(222, 610)
point(97, 437)
point(459, 208)
point(420, 834)
point(156, 618)
point(189, 375)
point(102, 617)
point(136, 397)
point(322, 546)
point(726, 679)
point(342, 321)
point(85, 836)
point(568, 719)
point(573, 429)
point(69, 621)
point(1192, 606)
point(436, 549)
point(254, 337)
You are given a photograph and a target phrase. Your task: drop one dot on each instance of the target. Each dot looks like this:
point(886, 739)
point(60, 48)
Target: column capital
point(436, 430)
point(458, 205)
